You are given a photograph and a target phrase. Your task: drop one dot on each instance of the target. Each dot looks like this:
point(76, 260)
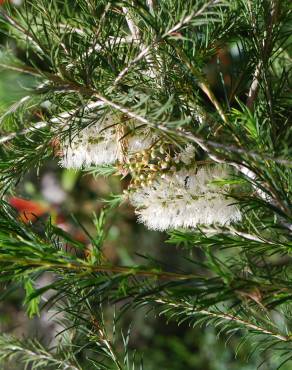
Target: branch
point(204, 144)
point(83, 266)
point(234, 232)
point(22, 30)
point(60, 119)
point(227, 317)
point(11, 347)
point(13, 135)
point(266, 49)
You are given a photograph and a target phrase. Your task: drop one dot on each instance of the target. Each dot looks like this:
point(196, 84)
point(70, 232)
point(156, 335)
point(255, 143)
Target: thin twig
point(136, 37)
point(266, 49)
point(21, 69)
point(105, 340)
point(188, 18)
point(131, 24)
point(234, 232)
point(28, 130)
point(13, 108)
point(139, 57)
point(192, 310)
point(112, 41)
point(22, 30)
point(151, 4)
point(146, 49)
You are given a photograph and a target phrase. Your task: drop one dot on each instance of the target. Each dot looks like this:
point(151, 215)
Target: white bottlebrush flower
point(187, 155)
point(101, 144)
point(185, 199)
point(17, 2)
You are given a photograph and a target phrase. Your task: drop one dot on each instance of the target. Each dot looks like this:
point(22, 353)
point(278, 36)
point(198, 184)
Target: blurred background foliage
point(59, 193)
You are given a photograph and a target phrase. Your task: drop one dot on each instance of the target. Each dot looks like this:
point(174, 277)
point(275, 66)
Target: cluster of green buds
point(147, 165)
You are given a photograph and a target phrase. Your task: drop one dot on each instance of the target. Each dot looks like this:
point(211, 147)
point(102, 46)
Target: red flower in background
point(13, 2)
point(28, 210)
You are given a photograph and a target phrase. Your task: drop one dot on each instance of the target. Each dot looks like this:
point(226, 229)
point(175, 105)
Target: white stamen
point(185, 199)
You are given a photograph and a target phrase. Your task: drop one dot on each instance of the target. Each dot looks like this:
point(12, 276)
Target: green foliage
point(103, 170)
point(237, 278)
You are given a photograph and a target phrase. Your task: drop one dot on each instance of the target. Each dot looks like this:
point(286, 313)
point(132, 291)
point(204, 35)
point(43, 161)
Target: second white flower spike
point(185, 199)
point(100, 144)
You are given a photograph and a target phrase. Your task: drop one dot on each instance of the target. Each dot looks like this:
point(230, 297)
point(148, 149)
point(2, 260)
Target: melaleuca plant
point(188, 103)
